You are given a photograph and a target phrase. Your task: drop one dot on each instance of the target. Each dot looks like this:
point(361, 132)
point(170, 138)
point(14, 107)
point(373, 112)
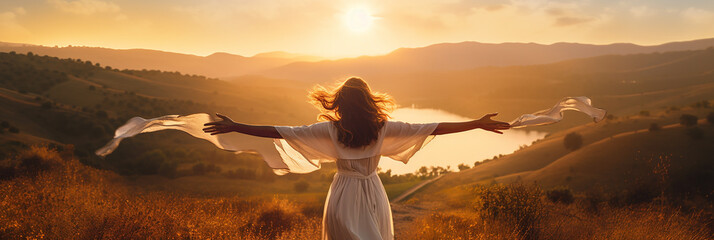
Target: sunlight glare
point(358, 19)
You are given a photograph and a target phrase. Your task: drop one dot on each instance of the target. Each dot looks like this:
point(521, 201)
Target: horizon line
point(350, 57)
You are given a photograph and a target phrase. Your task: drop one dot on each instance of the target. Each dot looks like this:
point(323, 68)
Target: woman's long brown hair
point(357, 112)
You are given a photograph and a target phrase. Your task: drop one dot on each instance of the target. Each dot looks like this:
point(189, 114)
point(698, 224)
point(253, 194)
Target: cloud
point(555, 11)
point(9, 25)
point(85, 7)
point(567, 15)
point(696, 15)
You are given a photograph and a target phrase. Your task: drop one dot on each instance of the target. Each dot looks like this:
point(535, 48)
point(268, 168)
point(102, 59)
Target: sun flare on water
point(358, 19)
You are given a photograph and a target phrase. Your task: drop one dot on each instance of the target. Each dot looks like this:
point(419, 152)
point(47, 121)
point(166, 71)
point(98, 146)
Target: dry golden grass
point(519, 211)
point(46, 194)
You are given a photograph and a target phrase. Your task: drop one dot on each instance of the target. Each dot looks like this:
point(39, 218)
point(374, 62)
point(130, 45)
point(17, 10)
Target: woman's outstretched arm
point(227, 125)
point(485, 123)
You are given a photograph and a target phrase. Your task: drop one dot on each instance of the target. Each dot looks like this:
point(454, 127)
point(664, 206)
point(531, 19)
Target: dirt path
point(410, 191)
point(619, 135)
point(7, 95)
point(404, 214)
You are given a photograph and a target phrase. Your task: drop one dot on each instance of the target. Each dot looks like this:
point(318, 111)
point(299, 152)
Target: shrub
point(5, 124)
point(301, 186)
point(31, 162)
point(516, 204)
point(645, 113)
point(560, 195)
point(688, 120)
point(463, 166)
point(710, 118)
point(573, 141)
point(695, 133)
point(654, 127)
point(14, 130)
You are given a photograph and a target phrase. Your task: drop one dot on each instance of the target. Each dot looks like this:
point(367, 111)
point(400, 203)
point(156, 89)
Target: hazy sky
point(335, 28)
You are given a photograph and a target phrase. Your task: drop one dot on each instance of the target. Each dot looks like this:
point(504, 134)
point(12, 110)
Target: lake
point(452, 149)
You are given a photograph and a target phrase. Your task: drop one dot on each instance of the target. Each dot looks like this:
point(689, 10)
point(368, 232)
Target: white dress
point(356, 206)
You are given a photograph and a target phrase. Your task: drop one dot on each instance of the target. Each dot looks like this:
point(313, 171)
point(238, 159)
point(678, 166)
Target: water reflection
point(453, 149)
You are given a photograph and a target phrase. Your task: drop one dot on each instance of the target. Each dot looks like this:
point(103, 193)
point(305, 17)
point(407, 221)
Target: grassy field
point(49, 194)
point(523, 211)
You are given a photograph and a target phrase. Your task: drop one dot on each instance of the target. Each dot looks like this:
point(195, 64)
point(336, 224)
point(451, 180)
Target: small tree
point(573, 141)
point(710, 118)
point(423, 171)
point(688, 120)
point(14, 130)
point(463, 166)
point(645, 113)
point(654, 127)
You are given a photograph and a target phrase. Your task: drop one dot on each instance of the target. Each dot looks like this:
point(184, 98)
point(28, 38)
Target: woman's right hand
point(225, 125)
point(488, 124)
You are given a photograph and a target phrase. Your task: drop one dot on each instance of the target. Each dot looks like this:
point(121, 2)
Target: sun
point(358, 19)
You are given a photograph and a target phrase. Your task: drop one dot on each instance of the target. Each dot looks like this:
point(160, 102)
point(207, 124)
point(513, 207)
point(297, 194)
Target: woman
point(357, 132)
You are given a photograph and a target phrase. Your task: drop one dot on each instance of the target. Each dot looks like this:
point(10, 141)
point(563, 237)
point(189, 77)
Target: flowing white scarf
point(193, 124)
point(555, 114)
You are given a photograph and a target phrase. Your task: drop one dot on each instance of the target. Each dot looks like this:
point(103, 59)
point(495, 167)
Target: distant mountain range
point(465, 55)
point(282, 65)
point(215, 65)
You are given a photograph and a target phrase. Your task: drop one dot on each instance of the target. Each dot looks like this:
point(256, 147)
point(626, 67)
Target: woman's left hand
point(225, 125)
point(488, 124)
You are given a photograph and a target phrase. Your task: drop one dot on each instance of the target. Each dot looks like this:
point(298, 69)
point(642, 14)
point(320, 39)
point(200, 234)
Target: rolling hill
point(67, 101)
point(616, 155)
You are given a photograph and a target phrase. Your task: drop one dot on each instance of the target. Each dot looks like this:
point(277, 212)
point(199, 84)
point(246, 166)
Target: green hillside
point(71, 101)
point(616, 155)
